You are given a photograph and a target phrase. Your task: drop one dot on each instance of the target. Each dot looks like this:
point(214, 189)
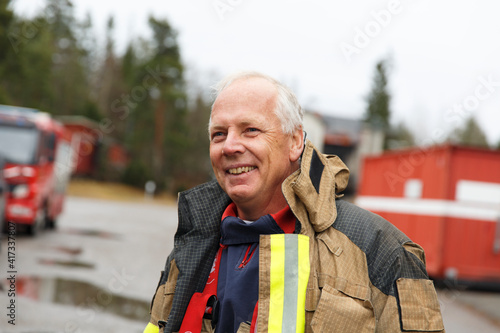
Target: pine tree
point(45, 67)
point(6, 17)
point(158, 105)
point(378, 110)
point(399, 137)
point(471, 134)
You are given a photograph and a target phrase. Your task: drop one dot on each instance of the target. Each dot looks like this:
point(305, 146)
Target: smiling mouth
point(238, 171)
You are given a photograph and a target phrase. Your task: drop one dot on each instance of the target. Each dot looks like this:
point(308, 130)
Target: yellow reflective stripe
point(277, 283)
point(289, 274)
point(304, 270)
point(151, 328)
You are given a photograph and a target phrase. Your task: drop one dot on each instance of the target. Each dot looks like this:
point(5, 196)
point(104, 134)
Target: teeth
point(237, 171)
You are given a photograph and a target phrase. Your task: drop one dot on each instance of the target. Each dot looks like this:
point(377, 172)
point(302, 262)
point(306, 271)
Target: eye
point(252, 130)
point(217, 135)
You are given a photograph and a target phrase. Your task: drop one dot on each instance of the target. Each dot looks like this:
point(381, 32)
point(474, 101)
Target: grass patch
point(114, 191)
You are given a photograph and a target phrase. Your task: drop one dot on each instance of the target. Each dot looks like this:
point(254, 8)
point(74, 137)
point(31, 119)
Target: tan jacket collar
point(311, 191)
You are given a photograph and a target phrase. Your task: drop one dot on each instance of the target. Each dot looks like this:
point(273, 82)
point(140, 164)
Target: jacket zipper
point(248, 256)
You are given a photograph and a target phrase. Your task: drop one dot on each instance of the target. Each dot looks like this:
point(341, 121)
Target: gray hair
point(287, 109)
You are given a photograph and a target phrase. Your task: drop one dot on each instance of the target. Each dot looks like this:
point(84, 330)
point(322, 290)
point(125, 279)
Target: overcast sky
point(445, 53)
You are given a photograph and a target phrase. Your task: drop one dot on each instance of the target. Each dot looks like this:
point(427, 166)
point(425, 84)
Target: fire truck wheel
point(51, 223)
point(4, 226)
point(39, 223)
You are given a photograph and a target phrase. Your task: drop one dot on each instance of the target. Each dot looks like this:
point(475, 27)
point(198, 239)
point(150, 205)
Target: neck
point(253, 213)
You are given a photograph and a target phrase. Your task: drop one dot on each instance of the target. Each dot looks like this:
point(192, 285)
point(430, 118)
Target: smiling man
point(270, 247)
point(251, 153)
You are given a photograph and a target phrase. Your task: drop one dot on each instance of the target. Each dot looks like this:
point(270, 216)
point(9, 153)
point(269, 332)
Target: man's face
point(250, 154)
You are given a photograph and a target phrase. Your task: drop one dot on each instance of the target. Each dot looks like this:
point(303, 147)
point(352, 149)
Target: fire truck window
point(19, 144)
point(51, 146)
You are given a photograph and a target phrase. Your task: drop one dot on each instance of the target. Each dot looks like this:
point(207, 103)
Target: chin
point(238, 195)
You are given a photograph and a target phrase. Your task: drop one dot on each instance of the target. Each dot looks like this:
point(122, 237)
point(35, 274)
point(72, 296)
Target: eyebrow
point(215, 127)
point(243, 123)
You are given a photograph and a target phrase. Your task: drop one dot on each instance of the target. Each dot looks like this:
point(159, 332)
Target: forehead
point(247, 99)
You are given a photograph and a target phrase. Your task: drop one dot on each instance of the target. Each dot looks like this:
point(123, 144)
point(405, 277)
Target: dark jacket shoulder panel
point(382, 244)
point(196, 243)
point(200, 211)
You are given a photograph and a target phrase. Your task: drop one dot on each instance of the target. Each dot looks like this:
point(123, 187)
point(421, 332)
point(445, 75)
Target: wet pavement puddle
point(68, 250)
point(72, 252)
point(83, 295)
point(90, 232)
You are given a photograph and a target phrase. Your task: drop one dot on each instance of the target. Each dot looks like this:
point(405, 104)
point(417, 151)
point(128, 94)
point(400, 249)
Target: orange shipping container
point(445, 198)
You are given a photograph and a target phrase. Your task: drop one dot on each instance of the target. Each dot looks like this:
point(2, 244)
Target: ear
point(297, 145)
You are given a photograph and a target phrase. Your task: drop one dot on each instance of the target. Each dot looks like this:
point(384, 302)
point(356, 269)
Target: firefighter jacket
point(365, 275)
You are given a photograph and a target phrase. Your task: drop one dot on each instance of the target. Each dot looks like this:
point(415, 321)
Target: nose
point(233, 144)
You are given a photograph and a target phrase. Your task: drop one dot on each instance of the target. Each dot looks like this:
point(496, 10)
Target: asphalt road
point(98, 270)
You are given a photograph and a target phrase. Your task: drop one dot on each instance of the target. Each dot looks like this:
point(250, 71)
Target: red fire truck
point(445, 198)
point(38, 155)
